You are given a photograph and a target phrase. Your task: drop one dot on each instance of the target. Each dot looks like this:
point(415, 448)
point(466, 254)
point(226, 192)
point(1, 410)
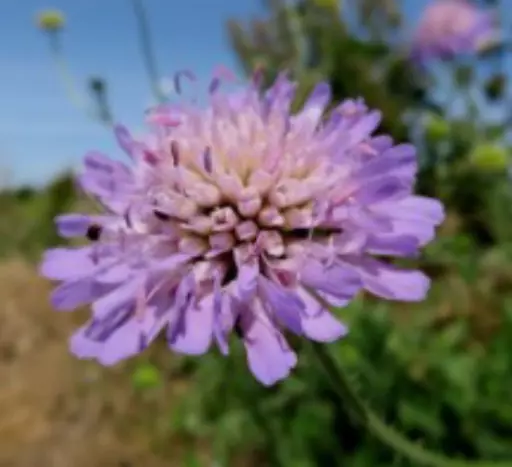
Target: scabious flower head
point(239, 217)
point(448, 28)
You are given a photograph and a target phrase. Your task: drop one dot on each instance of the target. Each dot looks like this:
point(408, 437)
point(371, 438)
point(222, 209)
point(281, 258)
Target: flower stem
point(363, 415)
point(298, 38)
point(147, 49)
point(74, 95)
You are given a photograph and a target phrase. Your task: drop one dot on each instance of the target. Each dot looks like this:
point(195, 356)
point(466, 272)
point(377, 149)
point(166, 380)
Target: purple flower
point(241, 217)
point(452, 27)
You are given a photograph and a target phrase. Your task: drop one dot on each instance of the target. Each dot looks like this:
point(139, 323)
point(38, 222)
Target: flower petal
point(225, 314)
point(127, 341)
point(382, 189)
point(125, 140)
point(269, 357)
point(284, 303)
point(82, 347)
point(70, 295)
point(308, 118)
point(72, 225)
point(195, 329)
point(393, 245)
point(279, 96)
point(389, 282)
point(336, 280)
point(122, 296)
point(414, 216)
point(398, 161)
point(318, 323)
point(417, 208)
point(67, 263)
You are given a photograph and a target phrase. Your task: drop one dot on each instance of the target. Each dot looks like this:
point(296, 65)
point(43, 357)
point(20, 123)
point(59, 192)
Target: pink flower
point(451, 27)
point(236, 218)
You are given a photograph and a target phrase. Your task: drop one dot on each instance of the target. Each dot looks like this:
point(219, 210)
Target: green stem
point(384, 433)
point(74, 95)
point(147, 49)
point(295, 29)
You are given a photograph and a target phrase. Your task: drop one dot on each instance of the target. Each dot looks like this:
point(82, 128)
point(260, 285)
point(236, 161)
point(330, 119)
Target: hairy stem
point(387, 435)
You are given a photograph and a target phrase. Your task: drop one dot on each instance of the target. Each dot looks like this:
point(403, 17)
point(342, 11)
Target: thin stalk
point(297, 36)
point(73, 93)
point(147, 49)
point(384, 433)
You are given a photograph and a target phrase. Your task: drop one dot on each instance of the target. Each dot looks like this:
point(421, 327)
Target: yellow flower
point(50, 20)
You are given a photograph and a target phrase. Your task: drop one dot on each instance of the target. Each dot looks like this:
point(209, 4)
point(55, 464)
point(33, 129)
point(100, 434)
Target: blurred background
point(439, 371)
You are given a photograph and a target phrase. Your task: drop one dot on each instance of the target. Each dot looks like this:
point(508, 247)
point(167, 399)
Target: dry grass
point(56, 411)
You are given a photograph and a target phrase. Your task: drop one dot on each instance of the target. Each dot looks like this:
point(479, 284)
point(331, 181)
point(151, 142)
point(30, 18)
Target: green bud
point(490, 157)
point(437, 128)
point(146, 376)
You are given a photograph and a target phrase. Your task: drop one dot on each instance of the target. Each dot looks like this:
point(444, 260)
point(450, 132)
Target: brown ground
point(56, 411)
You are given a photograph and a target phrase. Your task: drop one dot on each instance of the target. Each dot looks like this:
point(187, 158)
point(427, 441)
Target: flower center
point(271, 223)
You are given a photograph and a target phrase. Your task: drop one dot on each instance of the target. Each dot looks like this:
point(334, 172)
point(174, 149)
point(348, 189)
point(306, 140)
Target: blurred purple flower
point(449, 28)
point(230, 216)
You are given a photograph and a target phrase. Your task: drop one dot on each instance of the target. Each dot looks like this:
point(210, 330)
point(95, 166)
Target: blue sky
point(41, 133)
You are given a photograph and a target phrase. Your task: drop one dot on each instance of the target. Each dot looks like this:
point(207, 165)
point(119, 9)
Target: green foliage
point(27, 217)
point(430, 375)
point(440, 371)
point(310, 39)
point(460, 157)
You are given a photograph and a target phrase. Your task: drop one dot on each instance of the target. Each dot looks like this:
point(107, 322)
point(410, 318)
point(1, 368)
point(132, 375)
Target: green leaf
point(417, 416)
point(192, 459)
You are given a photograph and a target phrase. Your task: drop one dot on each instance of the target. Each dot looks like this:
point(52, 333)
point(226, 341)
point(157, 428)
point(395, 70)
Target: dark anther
point(306, 233)
point(207, 159)
point(93, 232)
point(231, 273)
point(127, 218)
point(161, 215)
point(175, 153)
point(238, 328)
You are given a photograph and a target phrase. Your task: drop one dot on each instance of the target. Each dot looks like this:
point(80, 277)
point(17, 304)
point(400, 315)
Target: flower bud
point(51, 20)
point(490, 157)
point(436, 128)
